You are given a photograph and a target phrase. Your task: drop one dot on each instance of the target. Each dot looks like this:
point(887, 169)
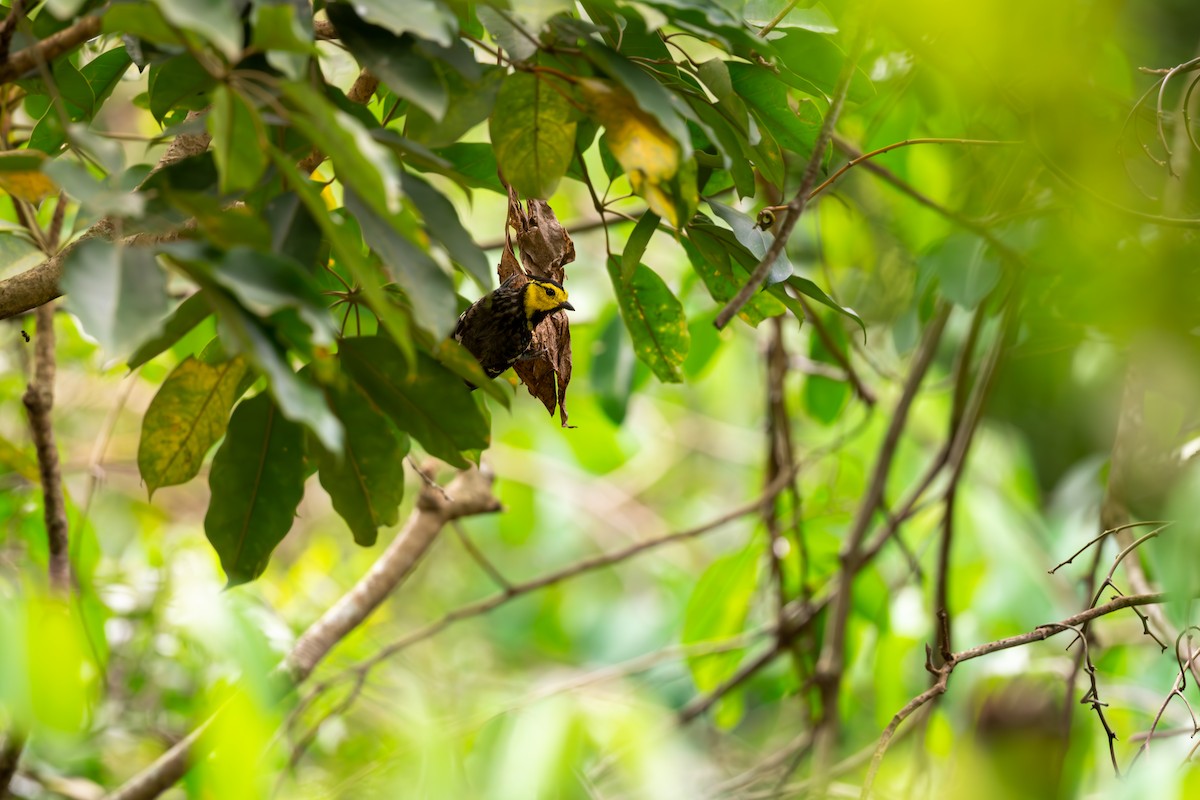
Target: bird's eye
point(549, 292)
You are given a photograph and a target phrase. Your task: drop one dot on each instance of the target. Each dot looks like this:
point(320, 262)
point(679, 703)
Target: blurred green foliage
point(1053, 220)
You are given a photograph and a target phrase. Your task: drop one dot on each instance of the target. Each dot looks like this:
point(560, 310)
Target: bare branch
point(473, 492)
point(49, 48)
point(1038, 634)
point(829, 666)
point(39, 400)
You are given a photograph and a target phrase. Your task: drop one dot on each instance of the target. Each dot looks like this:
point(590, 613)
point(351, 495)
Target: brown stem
point(861, 389)
point(39, 400)
point(49, 48)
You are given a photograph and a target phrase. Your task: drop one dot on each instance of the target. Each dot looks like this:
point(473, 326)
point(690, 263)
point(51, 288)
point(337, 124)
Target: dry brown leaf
point(546, 248)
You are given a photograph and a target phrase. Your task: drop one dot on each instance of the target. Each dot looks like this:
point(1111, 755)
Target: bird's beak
point(567, 306)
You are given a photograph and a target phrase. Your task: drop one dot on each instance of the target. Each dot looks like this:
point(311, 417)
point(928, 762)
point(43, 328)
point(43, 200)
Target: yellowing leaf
point(647, 153)
point(21, 175)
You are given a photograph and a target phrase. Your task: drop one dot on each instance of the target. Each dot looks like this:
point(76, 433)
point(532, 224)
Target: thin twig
point(39, 401)
point(1038, 634)
point(799, 202)
point(829, 666)
point(1176, 691)
point(863, 391)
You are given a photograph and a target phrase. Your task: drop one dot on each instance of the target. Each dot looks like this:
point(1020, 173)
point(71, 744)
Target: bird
point(498, 328)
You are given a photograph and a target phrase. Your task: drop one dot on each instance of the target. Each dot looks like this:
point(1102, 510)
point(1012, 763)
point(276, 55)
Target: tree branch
point(38, 285)
point(49, 48)
point(39, 400)
point(829, 666)
point(800, 201)
point(1038, 634)
point(472, 493)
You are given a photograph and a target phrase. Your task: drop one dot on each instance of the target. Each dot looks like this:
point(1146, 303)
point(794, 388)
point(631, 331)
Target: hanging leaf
point(428, 401)
point(186, 417)
point(257, 480)
point(118, 293)
point(654, 318)
point(533, 134)
point(365, 480)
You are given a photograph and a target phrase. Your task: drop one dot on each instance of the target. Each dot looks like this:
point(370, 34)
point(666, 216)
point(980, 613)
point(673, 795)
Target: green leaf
point(512, 40)
point(444, 226)
point(361, 163)
point(817, 62)
point(103, 74)
point(430, 291)
point(244, 333)
point(186, 417)
point(474, 164)
point(614, 368)
point(1174, 552)
point(965, 268)
point(265, 283)
point(98, 195)
point(187, 315)
point(294, 232)
point(533, 134)
point(425, 18)
point(429, 402)
point(824, 398)
point(468, 104)
point(140, 20)
point(278, 27)
point(218, 21)
point(635, 246)
point(395, 60)
point(767, 97)
point(709, 20)
point(735, 150)
point(174, 81)
point(74, 89)
point(760, 12)
point(346, 242)
point(118, 293)
point(655, 320)
point(257, 480)
point(810, 289)
point(754, 239)
point(718, 609)
point(365, 480)
point(458, 359)
point(708, 249)
point(235, 127)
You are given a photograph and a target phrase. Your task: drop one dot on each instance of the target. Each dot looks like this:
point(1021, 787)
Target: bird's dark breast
point(494, 333)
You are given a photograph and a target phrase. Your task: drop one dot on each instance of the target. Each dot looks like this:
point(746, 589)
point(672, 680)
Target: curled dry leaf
point(546, 248)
